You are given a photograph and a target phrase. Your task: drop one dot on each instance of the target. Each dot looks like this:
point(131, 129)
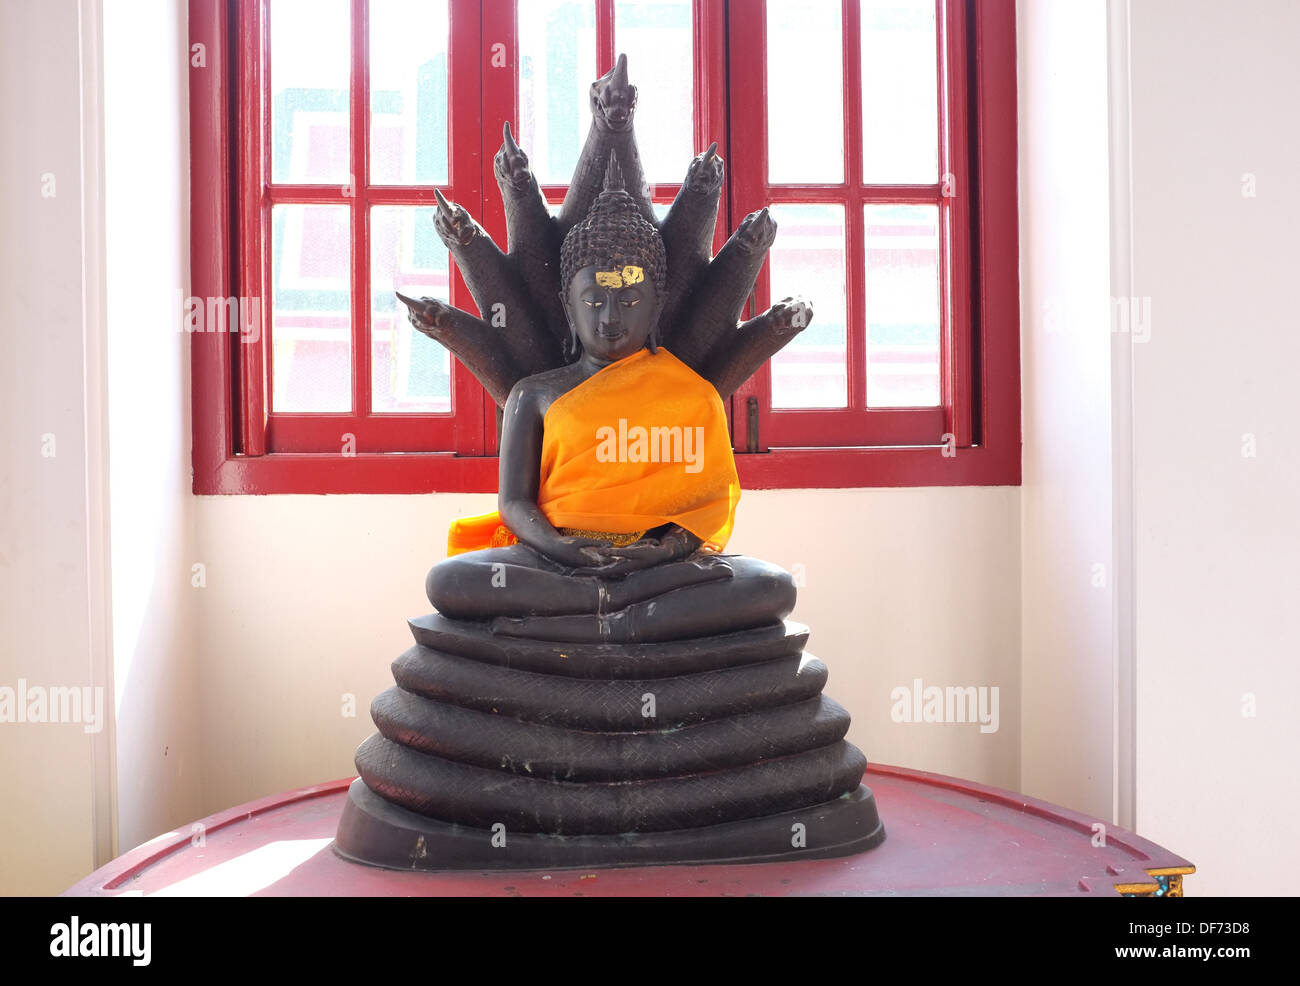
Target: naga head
point(453, 224)
point(706, 170)
point(511, 164)
point(613, 99)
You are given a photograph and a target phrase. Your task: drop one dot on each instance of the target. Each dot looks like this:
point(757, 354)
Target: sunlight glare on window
point(808, 259)
point(805, 85)
point(900, 107)
point(311, 73)
point(408, 370)
point(408, 92)
point(557, 64)
point(657, 37)
point(902, 292)
point(311, 317)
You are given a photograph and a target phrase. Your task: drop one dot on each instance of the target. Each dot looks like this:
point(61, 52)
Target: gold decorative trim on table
point(1168, 883)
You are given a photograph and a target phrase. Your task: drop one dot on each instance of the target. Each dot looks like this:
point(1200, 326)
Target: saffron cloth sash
point(641, 443)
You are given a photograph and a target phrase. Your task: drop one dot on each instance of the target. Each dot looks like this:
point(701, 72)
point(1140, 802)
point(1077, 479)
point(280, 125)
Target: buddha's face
point(612, 311)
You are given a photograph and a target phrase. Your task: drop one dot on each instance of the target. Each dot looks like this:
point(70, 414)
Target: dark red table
point(945, 836)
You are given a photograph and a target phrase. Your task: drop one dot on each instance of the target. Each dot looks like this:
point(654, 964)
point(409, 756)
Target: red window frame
point(856, 424)
point(239, 448)
point(263, 432)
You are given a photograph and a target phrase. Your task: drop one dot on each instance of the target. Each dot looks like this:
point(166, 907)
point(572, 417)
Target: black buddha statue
point(601, 684)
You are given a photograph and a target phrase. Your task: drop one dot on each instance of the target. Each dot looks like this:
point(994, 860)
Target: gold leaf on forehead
point(633, 274)
point(609, 279)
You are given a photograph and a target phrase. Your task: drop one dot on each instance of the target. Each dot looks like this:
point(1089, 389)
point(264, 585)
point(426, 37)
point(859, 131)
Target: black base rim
point(378, 833)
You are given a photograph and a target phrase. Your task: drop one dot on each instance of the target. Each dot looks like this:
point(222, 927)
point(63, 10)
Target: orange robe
point(641, 443)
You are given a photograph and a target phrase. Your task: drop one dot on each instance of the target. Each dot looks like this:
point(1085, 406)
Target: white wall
point(95, 538)
point(51, 538)
point(906, 584)
point(155, 656)
point(1217, 529)
point(1068, 572)
point(307, 597)
point(1140, 425)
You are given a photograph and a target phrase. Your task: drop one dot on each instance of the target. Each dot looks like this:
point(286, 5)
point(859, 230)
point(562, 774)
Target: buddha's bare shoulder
point(535, 394)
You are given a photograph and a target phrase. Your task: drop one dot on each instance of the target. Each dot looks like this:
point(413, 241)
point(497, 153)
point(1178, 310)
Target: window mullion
point(479, 89)
point(854, 247)
point(254, 220)
point(604, 36)
point(359, 187)
point(712, 122)
point(747, 167)
point(957, 190)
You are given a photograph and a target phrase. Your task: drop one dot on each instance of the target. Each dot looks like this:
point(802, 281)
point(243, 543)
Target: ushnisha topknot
point(614, 236)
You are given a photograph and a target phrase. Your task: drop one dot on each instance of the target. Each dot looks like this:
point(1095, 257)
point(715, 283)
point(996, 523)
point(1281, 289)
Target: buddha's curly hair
point(614, 234)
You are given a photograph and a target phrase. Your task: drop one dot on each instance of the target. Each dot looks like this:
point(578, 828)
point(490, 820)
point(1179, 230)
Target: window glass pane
point(310, 77)
point(311, 319)
point(805, 84)
point(557, 64)
point(658, 38)
point(902, 291)
point(408, 370)
point(900, 92)
point(408, 92)
point(808, 259)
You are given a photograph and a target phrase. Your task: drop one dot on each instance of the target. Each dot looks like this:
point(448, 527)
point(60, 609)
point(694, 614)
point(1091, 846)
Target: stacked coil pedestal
point(503, 752)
